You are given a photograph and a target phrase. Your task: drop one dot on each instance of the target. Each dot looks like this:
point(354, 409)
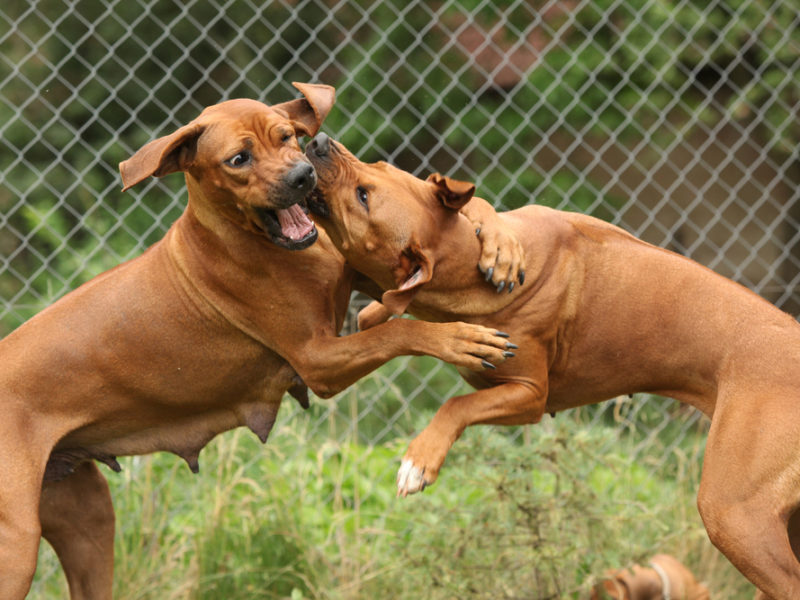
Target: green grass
point(535, 516)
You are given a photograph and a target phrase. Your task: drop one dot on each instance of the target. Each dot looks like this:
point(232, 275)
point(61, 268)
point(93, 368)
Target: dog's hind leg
point(750, 490)
point(793, 529)
point(78, 521)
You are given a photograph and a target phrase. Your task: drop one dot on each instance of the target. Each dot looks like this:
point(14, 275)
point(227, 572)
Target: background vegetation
point(533, 513)
point(83, 87)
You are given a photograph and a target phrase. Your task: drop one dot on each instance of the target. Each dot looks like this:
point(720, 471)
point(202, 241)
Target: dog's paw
point(373, 314)
point(410, 479)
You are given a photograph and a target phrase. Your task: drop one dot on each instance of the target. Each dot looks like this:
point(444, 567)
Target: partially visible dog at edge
point(663, 578)
point(601, 314)
point(202, 333)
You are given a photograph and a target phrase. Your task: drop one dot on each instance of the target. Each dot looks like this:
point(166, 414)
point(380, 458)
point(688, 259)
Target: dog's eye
point(287, 137)
point(240, 159)
point(361, 194)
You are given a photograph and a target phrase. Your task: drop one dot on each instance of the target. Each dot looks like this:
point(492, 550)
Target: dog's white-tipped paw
point(410, 479)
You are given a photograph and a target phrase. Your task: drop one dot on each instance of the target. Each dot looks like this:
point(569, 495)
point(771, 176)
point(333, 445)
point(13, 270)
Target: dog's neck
point(241, 274)
point(224, 222)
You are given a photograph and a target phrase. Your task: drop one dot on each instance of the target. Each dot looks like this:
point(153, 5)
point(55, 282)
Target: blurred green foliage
point(86, 85)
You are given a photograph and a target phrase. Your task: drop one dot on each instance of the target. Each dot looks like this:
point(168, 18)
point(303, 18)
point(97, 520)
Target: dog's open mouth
point(287, 227)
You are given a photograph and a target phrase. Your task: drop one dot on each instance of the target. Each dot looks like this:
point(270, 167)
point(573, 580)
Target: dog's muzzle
point(286, 223)
point(318, 150)
point(320, 146)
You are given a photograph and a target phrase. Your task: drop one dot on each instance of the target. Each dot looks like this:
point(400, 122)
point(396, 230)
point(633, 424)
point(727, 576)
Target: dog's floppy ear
point(161, 157)
point(419, 268)
point(452, 193)
point(307, 114)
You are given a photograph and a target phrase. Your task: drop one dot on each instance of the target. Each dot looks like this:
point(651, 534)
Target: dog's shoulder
point(564, 225)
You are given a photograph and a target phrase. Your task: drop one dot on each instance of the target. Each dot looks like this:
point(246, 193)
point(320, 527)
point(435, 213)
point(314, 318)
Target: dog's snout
point(301, 177)
point(321, 144)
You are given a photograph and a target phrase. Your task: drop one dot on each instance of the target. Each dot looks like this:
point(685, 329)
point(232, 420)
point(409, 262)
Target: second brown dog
point(600, 314)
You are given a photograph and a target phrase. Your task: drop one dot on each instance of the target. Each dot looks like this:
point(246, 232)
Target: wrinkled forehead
point(385, 175)
point(376, 173)
point(251, 112)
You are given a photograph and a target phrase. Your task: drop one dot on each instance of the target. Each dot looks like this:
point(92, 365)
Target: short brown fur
point(600, 314)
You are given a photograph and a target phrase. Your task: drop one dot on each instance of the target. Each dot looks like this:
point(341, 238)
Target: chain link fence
point(675, 119)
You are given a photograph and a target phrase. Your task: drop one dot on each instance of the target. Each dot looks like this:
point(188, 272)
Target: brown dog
point(665, 578)
point(204, 332)
point(601, 314)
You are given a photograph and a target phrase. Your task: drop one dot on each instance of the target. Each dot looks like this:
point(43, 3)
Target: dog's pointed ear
point(168, 154)
point(452, 193)
point(307, 114)
point(419, 268)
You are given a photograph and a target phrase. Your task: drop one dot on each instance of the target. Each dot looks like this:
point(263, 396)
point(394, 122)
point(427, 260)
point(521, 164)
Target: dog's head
point(385, 221)
point(665, 576)
point(242, 159)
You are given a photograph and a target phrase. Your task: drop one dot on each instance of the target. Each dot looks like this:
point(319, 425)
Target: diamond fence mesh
point(675, 119)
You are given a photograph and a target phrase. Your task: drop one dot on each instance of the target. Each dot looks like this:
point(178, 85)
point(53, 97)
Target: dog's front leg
point(373, 314)
point(506, 404)
point(78, 521)
point(328, 364)
point(23, 455)
point(502, 258)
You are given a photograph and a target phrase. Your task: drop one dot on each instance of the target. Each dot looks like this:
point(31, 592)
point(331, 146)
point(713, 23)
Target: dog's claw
point(489, 273)
point(502, 334)
point(510, 287)
point(500, 286)
point(487, 365)
point(521, 277)
point(509, 354)
point(511, 346)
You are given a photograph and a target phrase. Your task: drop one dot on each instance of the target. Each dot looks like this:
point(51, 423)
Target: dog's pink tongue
point(295, 225)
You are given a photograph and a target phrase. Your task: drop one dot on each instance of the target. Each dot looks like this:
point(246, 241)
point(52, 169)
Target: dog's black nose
point(301, 176)
point(321, 144)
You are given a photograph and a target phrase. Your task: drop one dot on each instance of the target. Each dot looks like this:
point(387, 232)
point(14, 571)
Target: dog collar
point(666, 591)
